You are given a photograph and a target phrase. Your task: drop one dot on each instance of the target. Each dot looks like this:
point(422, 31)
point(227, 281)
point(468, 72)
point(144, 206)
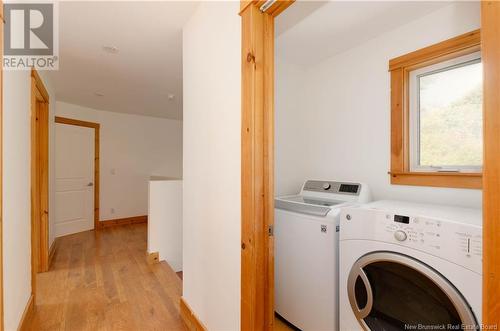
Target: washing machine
point(306, 252)
point(406, 266)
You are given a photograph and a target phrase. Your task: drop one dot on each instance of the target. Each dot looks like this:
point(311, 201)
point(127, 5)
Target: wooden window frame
point(400, 68)
point(97, 130)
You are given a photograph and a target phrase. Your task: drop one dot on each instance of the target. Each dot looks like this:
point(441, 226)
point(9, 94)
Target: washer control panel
point(332, 187)
point(457, 242)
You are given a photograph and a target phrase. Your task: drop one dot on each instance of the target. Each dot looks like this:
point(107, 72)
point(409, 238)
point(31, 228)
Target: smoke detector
point(110, 49)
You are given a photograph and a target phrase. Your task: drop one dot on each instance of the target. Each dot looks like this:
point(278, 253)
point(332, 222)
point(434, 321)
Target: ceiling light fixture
point(99, 94)
point(110, 49)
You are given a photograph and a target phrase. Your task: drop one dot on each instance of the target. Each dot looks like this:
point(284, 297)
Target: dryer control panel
point(454, 241)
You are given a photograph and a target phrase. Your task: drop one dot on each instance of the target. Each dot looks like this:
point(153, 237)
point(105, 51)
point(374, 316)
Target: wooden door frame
point(97, 129)
point(1, 166)
point(257, 164)
point(490, 49)
point(39, 178)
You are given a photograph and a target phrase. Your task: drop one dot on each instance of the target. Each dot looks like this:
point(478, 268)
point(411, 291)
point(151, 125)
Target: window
point(446, 116)
point(436, 115)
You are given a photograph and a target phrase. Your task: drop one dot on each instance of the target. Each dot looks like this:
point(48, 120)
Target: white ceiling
point(147, 67)
point(148, 35)
point(311, 31)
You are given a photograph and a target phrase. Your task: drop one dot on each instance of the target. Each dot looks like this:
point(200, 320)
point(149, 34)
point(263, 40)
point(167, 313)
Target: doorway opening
point(257, 258)
point(77, 176)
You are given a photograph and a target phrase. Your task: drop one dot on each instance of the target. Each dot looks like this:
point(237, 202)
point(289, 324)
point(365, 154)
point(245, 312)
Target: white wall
point(290, 134)
point(132, 148)
point(16, 193)
point(212, 121)
point(346, 131)
point(165, 221)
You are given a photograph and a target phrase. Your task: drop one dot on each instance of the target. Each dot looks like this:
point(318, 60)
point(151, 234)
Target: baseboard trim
point(52, 251)
point(28, 313)
point(153, 257)
point(189, 317)
point(123, 221)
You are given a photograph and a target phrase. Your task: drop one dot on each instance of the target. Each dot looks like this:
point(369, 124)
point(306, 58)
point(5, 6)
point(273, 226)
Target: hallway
point(101, 281)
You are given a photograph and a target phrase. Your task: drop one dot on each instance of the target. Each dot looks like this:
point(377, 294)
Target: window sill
point(438, 179)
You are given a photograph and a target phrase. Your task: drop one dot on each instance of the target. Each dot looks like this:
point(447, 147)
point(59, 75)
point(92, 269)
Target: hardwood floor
point(101, 281)
point(282, 325)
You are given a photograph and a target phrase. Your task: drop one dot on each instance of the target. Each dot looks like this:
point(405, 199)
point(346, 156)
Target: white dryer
point(306, 252)
point(406, 266)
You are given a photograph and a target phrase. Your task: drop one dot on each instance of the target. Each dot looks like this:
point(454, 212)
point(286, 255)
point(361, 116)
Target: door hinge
point(270, 230)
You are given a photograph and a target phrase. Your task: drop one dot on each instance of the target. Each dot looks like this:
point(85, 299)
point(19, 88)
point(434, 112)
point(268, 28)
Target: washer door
point(390, 291)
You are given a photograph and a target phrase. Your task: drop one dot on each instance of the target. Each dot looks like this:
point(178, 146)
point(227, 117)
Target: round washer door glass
point(390, 291)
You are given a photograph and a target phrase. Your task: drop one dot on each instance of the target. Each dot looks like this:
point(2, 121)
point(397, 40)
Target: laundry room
point(378, 165)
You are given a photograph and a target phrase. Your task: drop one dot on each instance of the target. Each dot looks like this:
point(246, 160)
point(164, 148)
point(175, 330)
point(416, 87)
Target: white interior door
point(74, 197)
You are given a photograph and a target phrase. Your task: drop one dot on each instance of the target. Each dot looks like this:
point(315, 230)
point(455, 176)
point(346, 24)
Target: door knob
point(90, 184)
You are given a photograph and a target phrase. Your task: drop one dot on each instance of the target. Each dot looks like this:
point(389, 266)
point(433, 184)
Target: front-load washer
point(406, 266)
point(306, 252)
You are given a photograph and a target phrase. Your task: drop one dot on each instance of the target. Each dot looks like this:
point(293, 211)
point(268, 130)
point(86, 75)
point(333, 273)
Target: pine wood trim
point(490, 25)
point(153, 257)
point(97, 143)
point(257, 164)
point(71, 121)
point(39, 179)
point(1, 173)
point(440, 179)
point(123, 221)
point(189, 317)
point(28, 313)
point(44, 185)
point(40, 86)
point(278, 7)
point(467, 42)
point(245, 3)
point(399, 68)
point(255, 279)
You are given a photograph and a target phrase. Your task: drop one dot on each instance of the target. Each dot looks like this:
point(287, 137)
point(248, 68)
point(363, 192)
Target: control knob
point(326, 186)
point(400, 235)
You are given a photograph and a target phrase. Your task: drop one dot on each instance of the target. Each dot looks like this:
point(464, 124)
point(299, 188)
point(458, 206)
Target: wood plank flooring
point(101, 281)
point(281, 325)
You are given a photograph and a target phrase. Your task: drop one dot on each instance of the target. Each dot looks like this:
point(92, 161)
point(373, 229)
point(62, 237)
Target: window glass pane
point(450, 125)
